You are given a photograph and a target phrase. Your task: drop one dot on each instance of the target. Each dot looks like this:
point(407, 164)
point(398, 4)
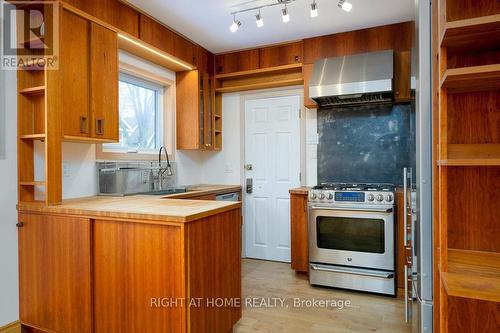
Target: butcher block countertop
point(200, 190)
point(300, 190)
point(136, 208)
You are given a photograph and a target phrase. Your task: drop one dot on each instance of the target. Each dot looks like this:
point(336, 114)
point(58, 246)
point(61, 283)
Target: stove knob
point(313, 196)
point(389, 197)
point(329, 196)
point(371, 197)
point(321, 196)
point(380, 197)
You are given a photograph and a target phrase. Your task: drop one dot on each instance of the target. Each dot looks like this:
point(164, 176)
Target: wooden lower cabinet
point(55, 273)
point(299, 232)
point(84, 275)
point(134, 265)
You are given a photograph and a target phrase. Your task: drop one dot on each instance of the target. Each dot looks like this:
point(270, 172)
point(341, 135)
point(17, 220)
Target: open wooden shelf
point(38, 64)
point(472, 155)
point(32, 137)
point(474, 78)
point(34, 183)
point(481, 32)
point(33, 91)
point(261, 85)
point(473, 274)
point(261, 71)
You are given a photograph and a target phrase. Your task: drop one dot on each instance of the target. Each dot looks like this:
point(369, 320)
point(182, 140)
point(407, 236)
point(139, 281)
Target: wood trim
point(168, 118)
point(14, 327)
point(87, 16)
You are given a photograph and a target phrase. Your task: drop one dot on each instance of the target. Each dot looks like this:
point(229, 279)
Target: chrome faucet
point(167, 169)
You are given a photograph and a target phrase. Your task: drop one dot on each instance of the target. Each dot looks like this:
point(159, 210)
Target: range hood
point(353, 80)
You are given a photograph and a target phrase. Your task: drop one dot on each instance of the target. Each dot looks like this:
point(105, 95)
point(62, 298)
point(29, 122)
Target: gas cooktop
point(373, 187)
point(352, 193)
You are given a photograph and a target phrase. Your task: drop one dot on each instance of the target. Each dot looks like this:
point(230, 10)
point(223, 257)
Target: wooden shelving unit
point(38, 130)
point(473, 33)
point(468, 165)
point(473, 274)
point(474, 78)
point(218, 122)
point(279, 76)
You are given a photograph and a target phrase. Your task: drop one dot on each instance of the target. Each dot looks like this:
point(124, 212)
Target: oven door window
point(350, 234)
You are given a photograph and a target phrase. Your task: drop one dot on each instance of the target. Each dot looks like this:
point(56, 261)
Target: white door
point(272, 149)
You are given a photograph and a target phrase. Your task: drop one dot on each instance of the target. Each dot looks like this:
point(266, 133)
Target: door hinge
point(300, 176)
point(19, 224)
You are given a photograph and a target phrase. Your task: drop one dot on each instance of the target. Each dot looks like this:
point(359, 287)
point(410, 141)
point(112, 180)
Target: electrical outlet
point(66, 170)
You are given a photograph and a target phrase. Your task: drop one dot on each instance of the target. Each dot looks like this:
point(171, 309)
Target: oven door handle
point(369, 210)
point(382, 275)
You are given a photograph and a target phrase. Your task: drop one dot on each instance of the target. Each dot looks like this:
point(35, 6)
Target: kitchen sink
point(167, 191)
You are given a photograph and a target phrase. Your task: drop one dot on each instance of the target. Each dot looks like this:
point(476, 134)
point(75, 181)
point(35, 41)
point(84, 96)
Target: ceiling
point(206, 22)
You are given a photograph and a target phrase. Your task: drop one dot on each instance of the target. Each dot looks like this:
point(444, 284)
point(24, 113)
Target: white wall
point(9, 303)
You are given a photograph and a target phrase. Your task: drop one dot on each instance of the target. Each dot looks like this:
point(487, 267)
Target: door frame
point(263, 94)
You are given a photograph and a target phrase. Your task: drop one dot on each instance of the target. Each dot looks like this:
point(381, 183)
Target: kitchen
point(272, 166)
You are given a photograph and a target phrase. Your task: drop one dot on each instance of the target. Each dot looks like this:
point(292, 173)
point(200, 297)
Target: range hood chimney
point(353, 80)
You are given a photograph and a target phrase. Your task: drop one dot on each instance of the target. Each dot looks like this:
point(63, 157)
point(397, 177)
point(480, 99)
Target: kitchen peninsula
point(103, 264)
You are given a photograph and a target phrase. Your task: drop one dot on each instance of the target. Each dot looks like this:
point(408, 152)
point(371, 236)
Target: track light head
point(314, 9)
point(259, 21)
point(347, 6)
point(236, 25)
point(284, 15)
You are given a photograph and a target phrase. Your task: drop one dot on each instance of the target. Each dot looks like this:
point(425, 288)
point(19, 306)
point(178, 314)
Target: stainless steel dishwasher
point(228, 197)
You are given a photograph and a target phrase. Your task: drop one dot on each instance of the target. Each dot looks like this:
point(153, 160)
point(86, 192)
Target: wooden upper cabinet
point(89, 79)
point(402, 76)
point(113, 12)
point(55, 273)
point(104, 83)
point(395, 36)
point(299, 233)
point(280, 55)
point(237, 61)
point(75, 74)
point(195, 106)
point(156, 34)
point(184, 49)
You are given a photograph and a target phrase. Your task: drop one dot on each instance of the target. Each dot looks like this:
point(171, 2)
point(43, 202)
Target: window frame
point(166, 115)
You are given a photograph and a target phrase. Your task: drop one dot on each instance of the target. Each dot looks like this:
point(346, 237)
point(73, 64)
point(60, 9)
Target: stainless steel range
point(351, 237)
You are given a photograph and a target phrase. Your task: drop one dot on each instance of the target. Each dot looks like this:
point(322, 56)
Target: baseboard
point(14, 327)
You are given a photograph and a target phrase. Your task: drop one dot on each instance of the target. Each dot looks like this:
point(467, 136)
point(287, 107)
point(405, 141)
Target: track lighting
point(347, 6)
point(314, 9)
point(284, 15)
point(259, 21)
point(236, 25)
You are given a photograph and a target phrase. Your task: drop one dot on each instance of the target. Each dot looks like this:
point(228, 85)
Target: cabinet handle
point(297, 58)
point(99, 126)
point(83, 125)
point(19, 224)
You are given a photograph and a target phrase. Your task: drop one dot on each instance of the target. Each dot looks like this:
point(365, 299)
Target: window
point(146, 112)
point(141, 116)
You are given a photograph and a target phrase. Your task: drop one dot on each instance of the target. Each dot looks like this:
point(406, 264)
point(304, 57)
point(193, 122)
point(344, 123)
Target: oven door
point(352, 237)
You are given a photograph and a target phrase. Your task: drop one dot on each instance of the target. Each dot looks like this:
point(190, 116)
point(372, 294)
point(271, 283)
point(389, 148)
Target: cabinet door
point(281, 55)
point(54, 273)
point(133, 264)
point(187, 110)
point(299, 232)
point(156, 34)
point(104, 83)
point(237, 61)
point(402, 73)
point(75, 75)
